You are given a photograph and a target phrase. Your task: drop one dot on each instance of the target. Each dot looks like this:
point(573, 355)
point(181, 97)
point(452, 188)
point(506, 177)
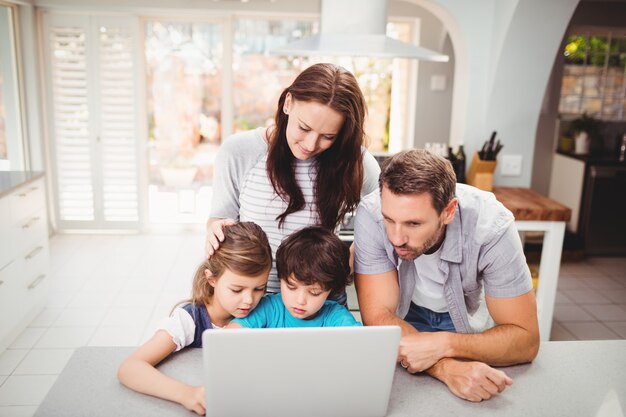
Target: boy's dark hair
point(315, 255)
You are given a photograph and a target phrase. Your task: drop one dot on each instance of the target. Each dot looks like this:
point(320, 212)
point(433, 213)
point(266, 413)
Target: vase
point(582, 143)
point(178, 177)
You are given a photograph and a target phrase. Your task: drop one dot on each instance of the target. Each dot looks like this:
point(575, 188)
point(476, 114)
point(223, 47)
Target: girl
point(310, 168)
point(228, 285)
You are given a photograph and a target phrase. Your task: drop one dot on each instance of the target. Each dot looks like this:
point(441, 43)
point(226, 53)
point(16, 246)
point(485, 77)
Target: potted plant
point(179, 172)
point(586, 128)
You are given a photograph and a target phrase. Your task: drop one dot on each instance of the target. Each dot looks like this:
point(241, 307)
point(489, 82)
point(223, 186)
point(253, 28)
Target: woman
point(310, 168)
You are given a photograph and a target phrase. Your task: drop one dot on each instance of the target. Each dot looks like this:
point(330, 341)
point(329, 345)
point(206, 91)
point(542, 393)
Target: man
point(445, 263)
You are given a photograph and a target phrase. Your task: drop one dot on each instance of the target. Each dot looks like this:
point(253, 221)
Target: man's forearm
point(384, 317)
point(506, 344)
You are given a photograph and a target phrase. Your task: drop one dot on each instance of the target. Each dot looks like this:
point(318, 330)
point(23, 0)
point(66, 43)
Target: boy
point(311, 264)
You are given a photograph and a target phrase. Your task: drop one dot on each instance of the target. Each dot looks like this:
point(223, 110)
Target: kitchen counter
point(595, 159)
point(593, 186)
point(10, 180)
point(586, 378)
point(536, 213)
point(527, 204)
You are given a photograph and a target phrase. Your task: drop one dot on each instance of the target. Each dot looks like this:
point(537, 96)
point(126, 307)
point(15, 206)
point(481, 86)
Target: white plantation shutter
point(118, 116)
point(71, 122)
point(92, 74)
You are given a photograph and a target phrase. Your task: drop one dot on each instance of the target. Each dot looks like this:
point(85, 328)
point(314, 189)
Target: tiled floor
point(113, 290)
point(591, 300)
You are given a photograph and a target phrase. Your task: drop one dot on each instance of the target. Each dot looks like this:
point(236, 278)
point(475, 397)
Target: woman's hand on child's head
point(215, 234)
point(193, 399)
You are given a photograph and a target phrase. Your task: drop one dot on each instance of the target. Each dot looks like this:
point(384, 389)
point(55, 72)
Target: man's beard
point(435, 240)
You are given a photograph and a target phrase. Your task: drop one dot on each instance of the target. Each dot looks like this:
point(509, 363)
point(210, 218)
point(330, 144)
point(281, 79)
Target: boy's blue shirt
point(272, 313)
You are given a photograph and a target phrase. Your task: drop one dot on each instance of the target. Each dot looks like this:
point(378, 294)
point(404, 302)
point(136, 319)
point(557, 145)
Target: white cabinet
point(566, 185)
point(23, 258)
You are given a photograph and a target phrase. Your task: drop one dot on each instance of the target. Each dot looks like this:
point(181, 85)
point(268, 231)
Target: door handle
point(30, 190)
point(6, 266)
point(33, 253)
point(36, 282)
point(30, 223)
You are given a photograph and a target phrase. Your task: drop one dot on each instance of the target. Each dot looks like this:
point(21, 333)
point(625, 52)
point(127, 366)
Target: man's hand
point(472, 381)
point(422, 350)
point(193, 399)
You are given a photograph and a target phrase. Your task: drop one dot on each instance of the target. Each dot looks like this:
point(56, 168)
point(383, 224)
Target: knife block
point(481, 173)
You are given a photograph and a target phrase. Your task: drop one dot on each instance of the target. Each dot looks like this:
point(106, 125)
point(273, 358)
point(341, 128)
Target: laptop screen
point(328, 371)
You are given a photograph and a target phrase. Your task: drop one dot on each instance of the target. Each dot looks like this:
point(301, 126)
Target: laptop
point(322, 371)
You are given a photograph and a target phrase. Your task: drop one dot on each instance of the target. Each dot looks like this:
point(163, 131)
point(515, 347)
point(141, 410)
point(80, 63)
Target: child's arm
point(233, 325)
point(138, 372)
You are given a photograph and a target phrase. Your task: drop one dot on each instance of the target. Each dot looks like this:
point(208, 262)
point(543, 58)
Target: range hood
point(356, 28)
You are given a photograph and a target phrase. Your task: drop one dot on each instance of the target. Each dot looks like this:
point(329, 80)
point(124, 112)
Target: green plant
point(586, 123)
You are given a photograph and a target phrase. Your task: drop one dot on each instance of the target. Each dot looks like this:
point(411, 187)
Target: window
point(192, 102)
point(594, 76)
point(260, 77)
point(11, 140)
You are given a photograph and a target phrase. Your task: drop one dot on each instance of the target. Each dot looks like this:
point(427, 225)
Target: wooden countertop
point(527, 204)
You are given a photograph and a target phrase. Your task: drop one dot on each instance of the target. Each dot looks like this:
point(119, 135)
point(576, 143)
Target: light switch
point(437, 82)
point(510, 165)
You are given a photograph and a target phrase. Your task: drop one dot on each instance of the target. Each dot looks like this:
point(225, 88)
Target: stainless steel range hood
point(356, 28)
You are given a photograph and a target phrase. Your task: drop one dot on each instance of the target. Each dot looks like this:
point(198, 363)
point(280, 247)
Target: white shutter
point(94, 119)
point(71, 123)
point(117, 125)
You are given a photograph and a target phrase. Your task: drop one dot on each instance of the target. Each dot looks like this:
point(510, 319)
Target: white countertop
point(586, 378)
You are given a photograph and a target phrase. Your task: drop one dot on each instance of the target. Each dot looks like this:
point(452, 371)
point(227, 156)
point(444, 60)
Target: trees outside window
point(594, 76)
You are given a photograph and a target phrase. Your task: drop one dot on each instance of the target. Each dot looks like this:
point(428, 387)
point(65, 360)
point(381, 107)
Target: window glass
point(183, 70)
point(11, 143)
point(259, 77)
point(593, 76)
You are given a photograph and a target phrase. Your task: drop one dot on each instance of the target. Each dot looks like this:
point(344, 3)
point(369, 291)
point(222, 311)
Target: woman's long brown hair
point(340, 167)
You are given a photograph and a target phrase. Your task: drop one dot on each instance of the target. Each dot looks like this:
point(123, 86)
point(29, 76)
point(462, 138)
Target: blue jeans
point(425, 320)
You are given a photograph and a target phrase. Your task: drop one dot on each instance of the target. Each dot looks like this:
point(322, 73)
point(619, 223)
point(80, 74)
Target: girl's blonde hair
point(245, 251)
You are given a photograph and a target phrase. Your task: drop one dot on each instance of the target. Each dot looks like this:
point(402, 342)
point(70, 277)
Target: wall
point(596, 14)
point(522, 73)
point(499, 85)
point(433, 109)
point(546, 138)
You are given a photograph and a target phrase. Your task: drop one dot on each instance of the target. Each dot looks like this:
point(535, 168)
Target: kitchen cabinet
point(566, 185)
point(595, 189)
point(23, 252)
